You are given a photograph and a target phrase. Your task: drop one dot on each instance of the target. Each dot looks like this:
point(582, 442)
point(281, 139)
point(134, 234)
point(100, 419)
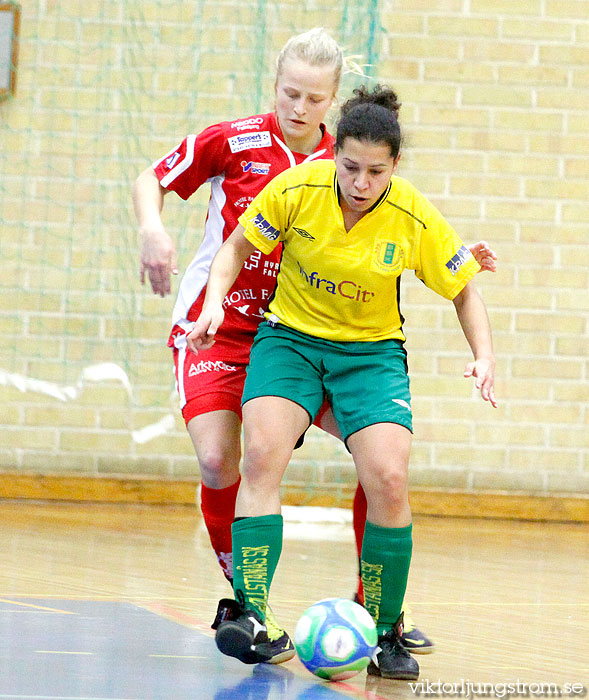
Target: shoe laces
point(408, 624)
point(272, 626)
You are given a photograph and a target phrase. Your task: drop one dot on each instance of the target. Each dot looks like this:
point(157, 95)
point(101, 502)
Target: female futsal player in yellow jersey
point(238, 158)
point(334, 327)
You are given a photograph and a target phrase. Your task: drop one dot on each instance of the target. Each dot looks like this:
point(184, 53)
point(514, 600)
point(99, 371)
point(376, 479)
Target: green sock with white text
point(257, 545)
point(386, 555)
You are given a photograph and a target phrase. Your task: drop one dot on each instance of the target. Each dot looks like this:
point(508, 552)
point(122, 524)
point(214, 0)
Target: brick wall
point(495, 114)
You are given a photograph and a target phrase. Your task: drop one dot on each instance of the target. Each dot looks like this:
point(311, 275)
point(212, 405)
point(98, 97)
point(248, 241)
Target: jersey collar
point(324, 144)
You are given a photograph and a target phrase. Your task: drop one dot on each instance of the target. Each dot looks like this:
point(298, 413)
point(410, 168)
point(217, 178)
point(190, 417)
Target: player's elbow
point(147, 179)
point(468, 292)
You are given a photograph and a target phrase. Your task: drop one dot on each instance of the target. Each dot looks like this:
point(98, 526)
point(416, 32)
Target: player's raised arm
point(158, 253)
point(474, 320)
point(224, 270)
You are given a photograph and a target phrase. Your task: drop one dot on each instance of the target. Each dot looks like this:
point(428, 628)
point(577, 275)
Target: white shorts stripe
point(180, 375)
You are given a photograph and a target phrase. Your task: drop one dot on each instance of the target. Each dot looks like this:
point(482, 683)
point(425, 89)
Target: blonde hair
point(317, 48)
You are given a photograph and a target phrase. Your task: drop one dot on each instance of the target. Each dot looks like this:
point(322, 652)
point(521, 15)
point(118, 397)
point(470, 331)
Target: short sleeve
point(442, 261)
point(265, 219)
point(196, 159)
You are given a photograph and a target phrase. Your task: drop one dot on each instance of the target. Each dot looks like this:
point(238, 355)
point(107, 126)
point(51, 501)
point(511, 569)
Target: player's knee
point(259, 457)
point(389, 489)
point(219, 468)
point(264, 459)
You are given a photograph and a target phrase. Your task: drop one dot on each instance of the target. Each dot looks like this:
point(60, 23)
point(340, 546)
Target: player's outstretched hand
point(484, 373)
point(158, 259)
point(202, 336)
point(485, 256)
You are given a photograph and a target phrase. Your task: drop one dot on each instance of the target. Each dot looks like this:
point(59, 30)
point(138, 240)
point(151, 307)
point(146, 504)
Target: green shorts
point(364, 382)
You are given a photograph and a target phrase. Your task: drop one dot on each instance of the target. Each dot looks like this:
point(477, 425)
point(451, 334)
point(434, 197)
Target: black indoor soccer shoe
point(391, 659)
point(243, 635)
point(280, 643)
point(281, 646)
point(413, 639)
point(227, 609)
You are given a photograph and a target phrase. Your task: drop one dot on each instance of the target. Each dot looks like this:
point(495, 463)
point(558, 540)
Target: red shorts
point(211, 381)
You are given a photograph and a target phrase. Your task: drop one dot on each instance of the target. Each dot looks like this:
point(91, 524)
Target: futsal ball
point(335, 638)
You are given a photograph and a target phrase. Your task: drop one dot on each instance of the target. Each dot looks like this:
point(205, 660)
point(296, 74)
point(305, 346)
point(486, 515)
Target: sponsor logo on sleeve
point(172, 160)
point(458, 260)
point(254, 139)
point(266, 229)
point(250, 166)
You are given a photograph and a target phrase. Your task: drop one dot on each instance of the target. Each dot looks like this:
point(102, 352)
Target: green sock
point(386, 554)
point(257, 544)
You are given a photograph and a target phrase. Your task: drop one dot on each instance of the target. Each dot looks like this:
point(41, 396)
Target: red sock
point(359, 519)
point(218, 511)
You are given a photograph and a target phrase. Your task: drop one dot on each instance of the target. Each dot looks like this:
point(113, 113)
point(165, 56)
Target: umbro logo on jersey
point(172, 160)
point(303, 233)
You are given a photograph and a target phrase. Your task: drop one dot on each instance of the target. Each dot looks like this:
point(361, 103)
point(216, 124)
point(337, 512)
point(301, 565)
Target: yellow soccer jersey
point(344, 286)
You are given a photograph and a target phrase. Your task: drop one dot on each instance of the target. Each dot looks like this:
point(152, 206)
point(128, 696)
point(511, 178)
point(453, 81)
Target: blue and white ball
point(335, 638)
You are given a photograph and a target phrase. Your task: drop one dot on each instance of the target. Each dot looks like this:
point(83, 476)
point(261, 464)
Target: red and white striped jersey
point(238, 158)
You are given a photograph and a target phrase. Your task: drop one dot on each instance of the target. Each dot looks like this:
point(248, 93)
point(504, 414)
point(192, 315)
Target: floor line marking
point(76, 653)
point(36, 607)
point(138, 600)
point(174, 656)
point(31, 612)
point(57, 697)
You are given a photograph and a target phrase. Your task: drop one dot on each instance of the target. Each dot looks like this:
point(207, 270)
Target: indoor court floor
point(114, 602)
